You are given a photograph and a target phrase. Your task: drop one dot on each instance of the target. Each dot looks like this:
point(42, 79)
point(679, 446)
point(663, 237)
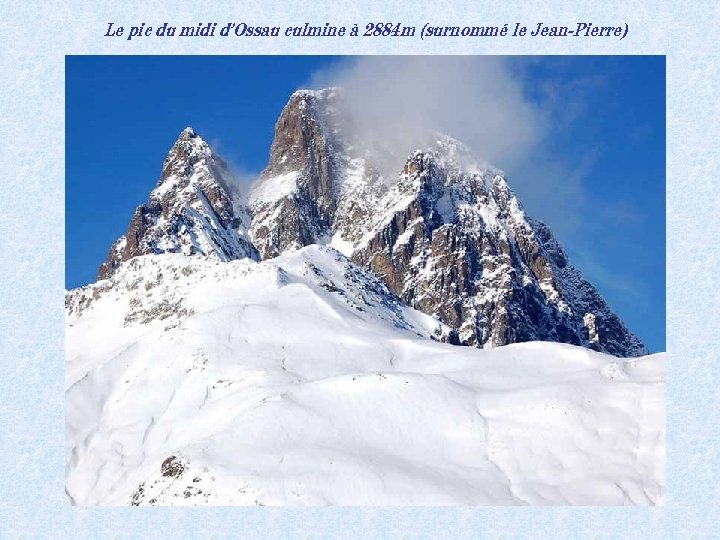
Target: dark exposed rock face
point(301, 157)
point(446, 235)
point(193, 210)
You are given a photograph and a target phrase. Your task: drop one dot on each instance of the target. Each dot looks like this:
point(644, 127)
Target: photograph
point(365, 280)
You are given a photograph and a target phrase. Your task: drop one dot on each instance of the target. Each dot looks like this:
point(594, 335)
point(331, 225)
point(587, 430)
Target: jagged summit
point(444, 230)
point(195, 209)
point(447, 233)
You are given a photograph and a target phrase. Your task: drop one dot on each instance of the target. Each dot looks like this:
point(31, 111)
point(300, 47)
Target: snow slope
point(302, 380)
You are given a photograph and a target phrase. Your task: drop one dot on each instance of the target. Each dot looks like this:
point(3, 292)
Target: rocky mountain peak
point(305, 125)
point(195, 209)
point(189, 151)
point(296, 198)
point(447, 235)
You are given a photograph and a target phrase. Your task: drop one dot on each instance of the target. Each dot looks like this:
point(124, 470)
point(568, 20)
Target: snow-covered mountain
point(447, 234)
point(196, 208)
point(301, 380)
point(297, 344)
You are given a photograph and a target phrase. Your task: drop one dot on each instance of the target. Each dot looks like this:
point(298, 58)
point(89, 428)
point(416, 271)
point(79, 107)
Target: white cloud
point(401, 99)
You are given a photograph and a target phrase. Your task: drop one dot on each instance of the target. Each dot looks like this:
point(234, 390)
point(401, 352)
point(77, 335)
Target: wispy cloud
point(402, 100)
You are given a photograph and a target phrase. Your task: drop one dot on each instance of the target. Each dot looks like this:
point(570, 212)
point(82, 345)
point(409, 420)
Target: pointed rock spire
point(194, 209)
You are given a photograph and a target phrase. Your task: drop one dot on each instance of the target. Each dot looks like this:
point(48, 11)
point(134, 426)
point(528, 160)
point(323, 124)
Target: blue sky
point(584, 149)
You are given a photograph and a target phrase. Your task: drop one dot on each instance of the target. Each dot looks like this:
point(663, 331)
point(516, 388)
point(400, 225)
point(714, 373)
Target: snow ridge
point(302, 380)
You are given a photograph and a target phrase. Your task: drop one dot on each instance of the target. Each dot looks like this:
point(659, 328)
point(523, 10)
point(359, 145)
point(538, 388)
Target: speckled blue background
point(35, 36)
